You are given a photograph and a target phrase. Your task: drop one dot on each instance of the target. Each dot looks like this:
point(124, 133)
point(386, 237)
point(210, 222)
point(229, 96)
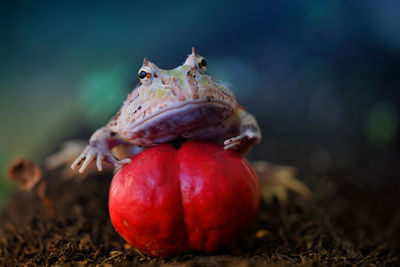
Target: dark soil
point(353, 218)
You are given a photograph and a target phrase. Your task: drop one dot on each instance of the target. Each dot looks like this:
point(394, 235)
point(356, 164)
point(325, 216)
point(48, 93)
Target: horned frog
point(185, 102)
point(182, 103)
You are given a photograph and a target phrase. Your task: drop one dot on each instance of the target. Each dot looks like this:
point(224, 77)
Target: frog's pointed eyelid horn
point(145, 61)
point(194, 52)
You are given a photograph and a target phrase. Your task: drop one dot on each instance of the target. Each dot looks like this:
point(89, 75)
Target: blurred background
point(322, 77)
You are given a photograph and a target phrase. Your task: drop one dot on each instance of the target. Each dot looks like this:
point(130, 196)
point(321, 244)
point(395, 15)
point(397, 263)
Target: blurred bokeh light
point(313, 70)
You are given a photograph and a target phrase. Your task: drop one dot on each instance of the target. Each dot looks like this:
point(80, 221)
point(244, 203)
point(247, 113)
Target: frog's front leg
point(99, 149)
point(249, 132)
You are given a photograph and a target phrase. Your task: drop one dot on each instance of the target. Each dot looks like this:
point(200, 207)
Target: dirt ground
point(352, 219)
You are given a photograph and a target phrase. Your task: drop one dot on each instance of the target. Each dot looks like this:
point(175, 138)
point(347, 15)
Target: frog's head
point(167, 91)
point(189, 82)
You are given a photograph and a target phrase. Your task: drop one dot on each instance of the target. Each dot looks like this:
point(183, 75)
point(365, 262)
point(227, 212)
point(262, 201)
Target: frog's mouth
point(190, 112)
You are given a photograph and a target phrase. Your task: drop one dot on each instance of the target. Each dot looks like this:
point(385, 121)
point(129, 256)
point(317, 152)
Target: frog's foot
point(67, 154)
point(99, 154)
point(241, 143)
point(70, 150)
point(277, 180)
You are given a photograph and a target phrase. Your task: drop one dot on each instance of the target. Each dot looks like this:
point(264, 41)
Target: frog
point(184, 103)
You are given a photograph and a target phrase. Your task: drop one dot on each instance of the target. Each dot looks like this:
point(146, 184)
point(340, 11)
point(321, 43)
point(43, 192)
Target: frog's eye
point(145, 75)
point(202, 64)
point(142, 74)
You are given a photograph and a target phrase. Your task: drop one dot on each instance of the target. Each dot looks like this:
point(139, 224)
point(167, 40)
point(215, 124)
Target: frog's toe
point(123, 162)
point(84, 159)
point(231, 146)
point(78, 161)
point(117, 163)
point(88, 159)
point(240, 143)
point(99, 161)
point(232, 143)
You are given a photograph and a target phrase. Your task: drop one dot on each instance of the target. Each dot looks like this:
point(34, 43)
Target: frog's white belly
point(191, 121)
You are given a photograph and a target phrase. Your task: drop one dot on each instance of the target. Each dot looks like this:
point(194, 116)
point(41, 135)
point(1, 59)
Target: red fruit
point(198, 197)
